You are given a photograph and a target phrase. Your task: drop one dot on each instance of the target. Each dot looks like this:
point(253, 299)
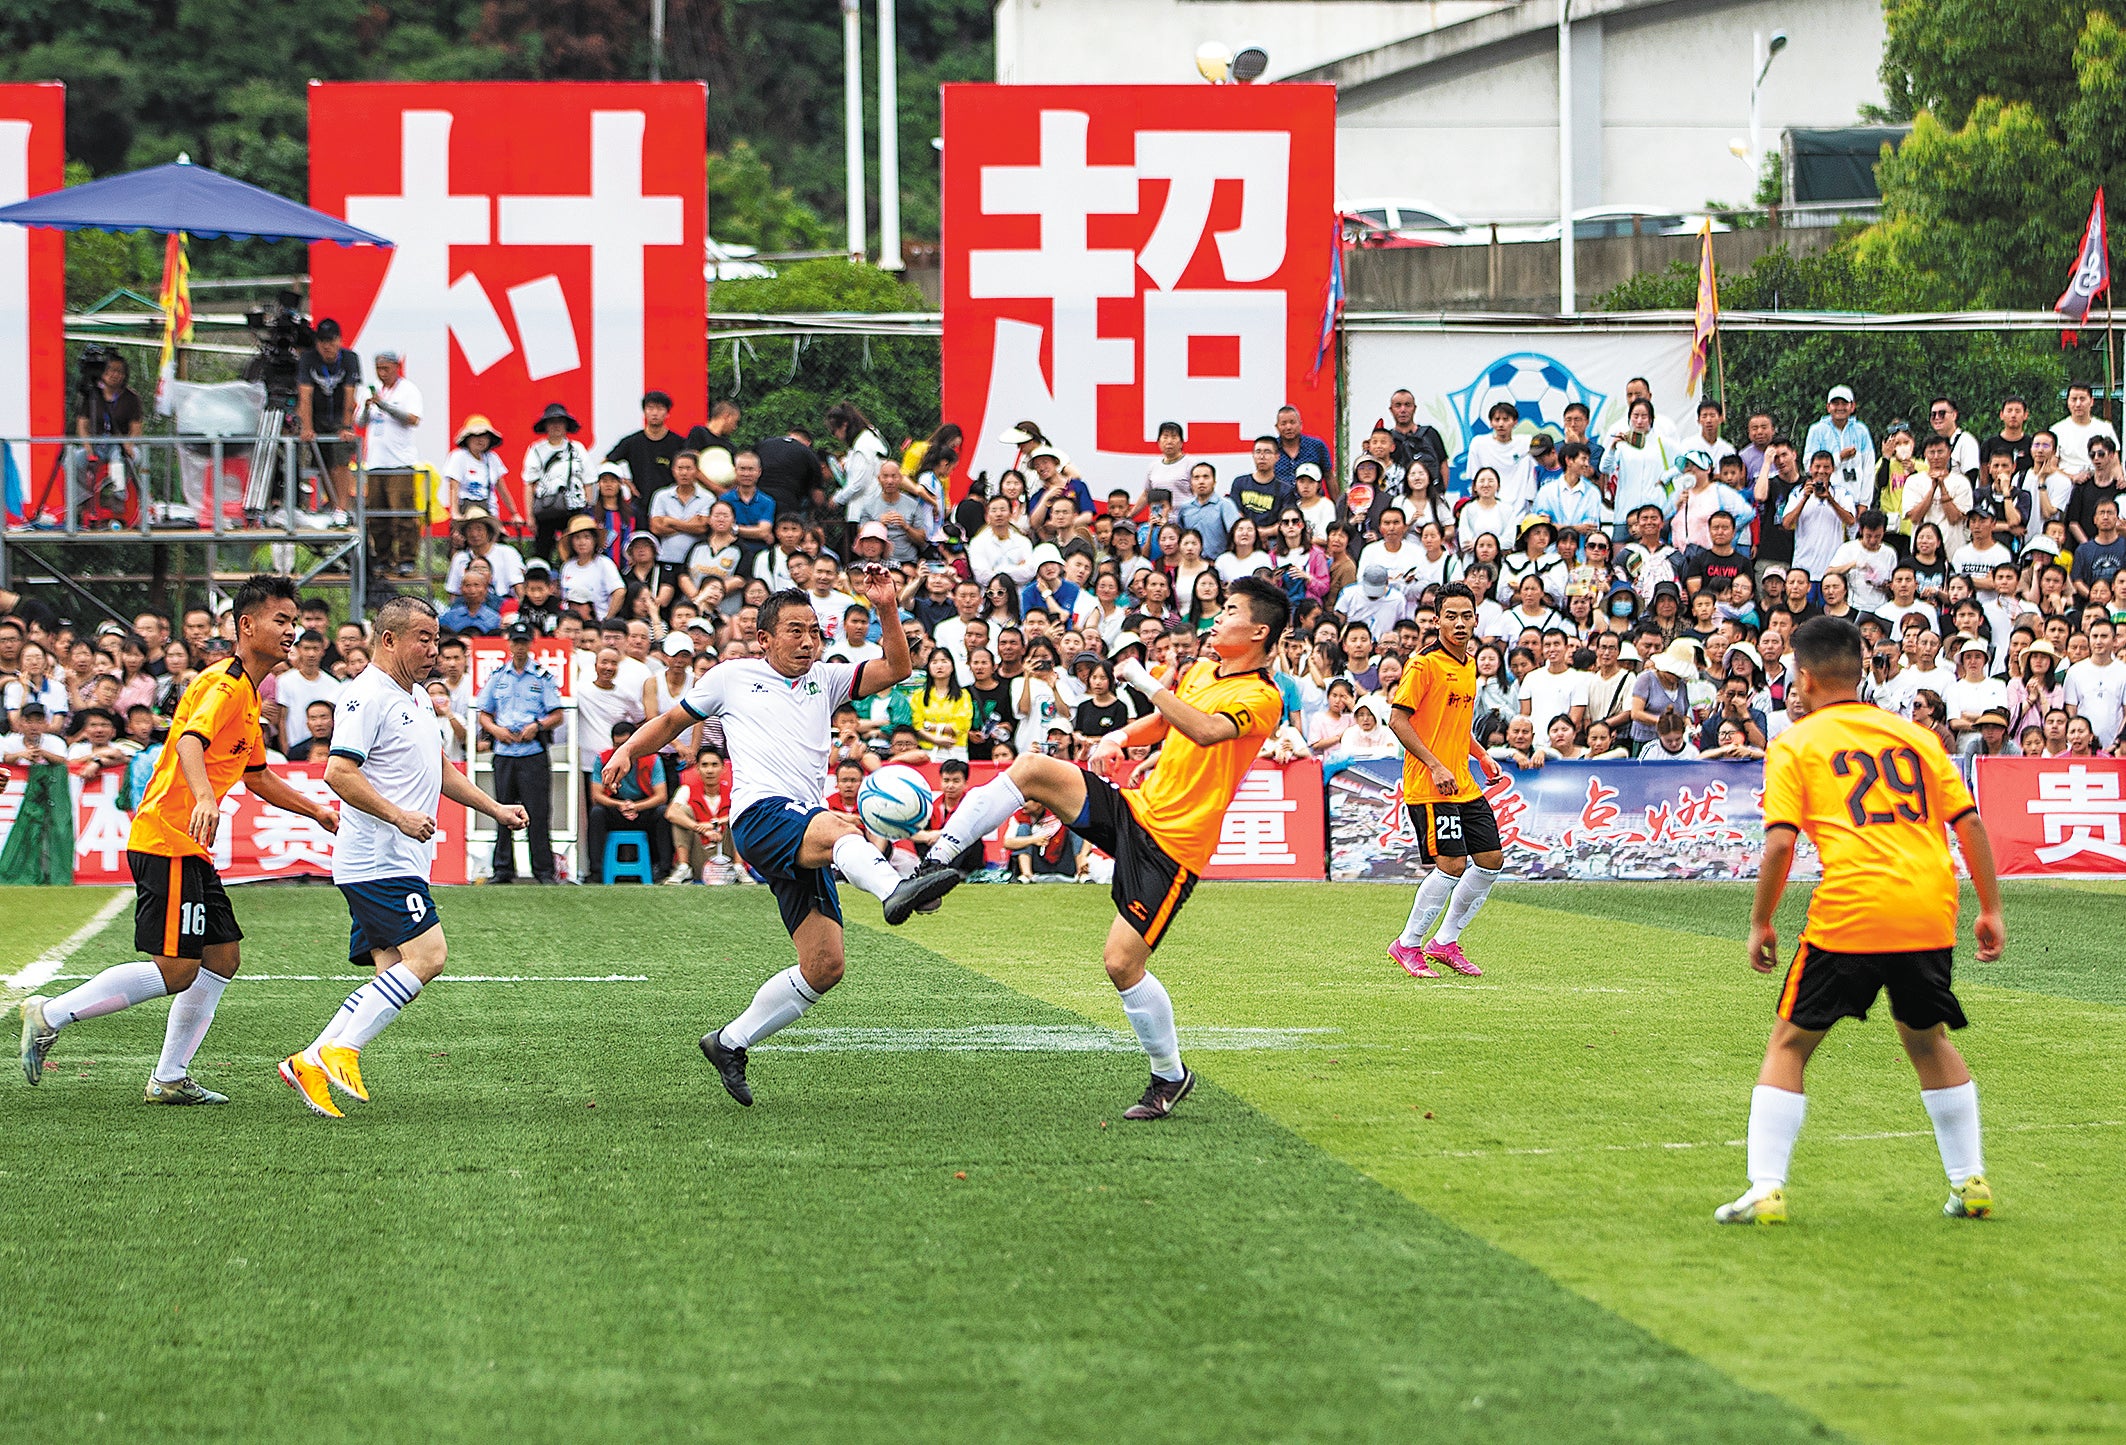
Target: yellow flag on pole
point(176, 301)
point(1707, 324)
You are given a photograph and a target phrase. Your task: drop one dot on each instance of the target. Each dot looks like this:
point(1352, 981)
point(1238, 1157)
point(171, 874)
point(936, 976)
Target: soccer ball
point(717, 468)
point(894, 802)
point(1539, 388)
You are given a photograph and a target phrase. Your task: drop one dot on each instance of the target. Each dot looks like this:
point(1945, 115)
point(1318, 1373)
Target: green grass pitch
point(1456, 1210)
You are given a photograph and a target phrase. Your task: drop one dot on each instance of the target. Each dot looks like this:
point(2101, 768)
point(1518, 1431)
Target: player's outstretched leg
point(191, 1014)
point(981, 812)
point(780, 1002)
point(1951, 1097)
point(1432, 896)
point(117, 987)
point(1777, 1108)
point(1470, 891)
point(1150, 1012)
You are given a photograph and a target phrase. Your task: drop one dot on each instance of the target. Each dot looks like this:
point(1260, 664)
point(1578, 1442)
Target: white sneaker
point(681, 874)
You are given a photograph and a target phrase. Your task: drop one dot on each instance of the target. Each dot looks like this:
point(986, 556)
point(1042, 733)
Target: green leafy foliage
point(2019, 115)
point(1892, 375)
point(782, 382)
point(748, 208)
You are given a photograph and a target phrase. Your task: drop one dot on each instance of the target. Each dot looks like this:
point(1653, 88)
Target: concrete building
point(1457, 103)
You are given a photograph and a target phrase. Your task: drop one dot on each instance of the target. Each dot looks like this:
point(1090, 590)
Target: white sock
point(1151, 1013)
point(369, 1008)
point(862, 865)
point(981, 812)
point(190, 1013)
point(781, 1002)
point(1469, 895)
point(1955, 1115)
point(1775, 1123)
point(119, 986)
point(1432, 895)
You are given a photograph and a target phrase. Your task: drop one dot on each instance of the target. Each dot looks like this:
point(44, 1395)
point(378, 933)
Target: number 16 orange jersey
point(1876, 795)
point(220, 708)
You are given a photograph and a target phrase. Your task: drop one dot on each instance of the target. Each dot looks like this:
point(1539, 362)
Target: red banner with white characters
point(549, 248)
point(255, 842)
point(484, 656)
point(33, 382)
point(1120, 256)
point(2054, 817)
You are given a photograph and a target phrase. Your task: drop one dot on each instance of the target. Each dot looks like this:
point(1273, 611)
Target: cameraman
point(328, 390)
point(1818, 512)
point(106, 407)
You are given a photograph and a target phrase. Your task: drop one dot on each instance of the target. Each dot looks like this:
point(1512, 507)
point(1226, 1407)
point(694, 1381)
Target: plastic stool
point(637, 867)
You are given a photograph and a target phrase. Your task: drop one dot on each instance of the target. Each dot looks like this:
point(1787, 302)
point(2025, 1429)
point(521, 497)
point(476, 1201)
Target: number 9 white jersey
point(391, 734)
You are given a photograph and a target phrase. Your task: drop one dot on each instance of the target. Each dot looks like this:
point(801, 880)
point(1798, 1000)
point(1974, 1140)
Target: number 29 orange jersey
point(1876, 795)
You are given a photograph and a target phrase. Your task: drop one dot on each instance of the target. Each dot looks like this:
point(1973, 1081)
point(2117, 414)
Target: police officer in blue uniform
point(518, 708)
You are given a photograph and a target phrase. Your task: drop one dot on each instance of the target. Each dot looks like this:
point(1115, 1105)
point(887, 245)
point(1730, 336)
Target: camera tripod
point(267, 449)
point(94, 507)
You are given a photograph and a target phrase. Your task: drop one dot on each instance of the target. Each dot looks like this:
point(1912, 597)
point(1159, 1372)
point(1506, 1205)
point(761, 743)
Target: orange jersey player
point(181, 914)
point(1876, 795)
point(1457, 836)
point(1161, 835)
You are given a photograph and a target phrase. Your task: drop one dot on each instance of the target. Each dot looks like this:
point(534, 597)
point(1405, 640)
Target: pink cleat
point(1412, 960)
point(1451, 954)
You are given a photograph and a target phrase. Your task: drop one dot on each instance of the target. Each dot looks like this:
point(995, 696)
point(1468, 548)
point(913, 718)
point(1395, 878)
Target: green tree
point(2019, 114)
point(747, 208)
point(784, 382)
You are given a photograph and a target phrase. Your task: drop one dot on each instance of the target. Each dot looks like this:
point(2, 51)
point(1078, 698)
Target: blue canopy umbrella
point(183, 197)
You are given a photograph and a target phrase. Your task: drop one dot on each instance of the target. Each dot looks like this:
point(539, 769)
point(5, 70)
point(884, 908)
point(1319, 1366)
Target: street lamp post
point(889, 139)
point(853, 121)
point(1568, 276)
point(1761, 57)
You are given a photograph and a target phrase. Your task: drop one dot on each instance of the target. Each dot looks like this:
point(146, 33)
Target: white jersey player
point(776, 713)
point(387, 766)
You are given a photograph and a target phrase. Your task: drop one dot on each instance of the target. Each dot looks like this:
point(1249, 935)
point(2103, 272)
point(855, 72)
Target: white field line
point(45, 966)
point(446, 978)
point(1029, 1038)
point(1742, 1143)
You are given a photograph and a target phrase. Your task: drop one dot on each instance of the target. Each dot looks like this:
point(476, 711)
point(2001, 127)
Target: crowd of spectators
point(1637, 590)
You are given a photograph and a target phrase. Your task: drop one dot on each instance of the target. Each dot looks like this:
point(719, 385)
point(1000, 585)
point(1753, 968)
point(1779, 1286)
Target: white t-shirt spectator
point(1893, 616)
point(50, 745)
point(390, 441)
point(1972, 560)
point(1167, 482)
point(1961, 698)
point(2099, 694)
point(1479, 517)
point(1957, 488)
point(668, 503)
point(594, 582)
point(1509, 459)
point(2074, 441)
point(1320, 514)
point(295, 693)
point(1868, 579)
point(502, 559)
point(1011, 554)
point(477, 477)
point(1819, 531)
point(52, 693)
point(1552, 694)
point(1399, 562)
point(1232, 568)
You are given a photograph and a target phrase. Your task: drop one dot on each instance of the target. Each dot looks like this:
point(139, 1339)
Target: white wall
point(1138, 42)
point(1674, 88)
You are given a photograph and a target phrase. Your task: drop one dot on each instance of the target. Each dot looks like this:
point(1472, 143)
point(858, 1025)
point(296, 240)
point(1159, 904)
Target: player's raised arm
point(877, 587)
point(1199, 727)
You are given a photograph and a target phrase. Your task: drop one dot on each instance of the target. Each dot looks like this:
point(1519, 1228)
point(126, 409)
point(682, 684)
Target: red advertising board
point(255, 841)
point(33, 381)
point(1119, 256)
point(549, 245)
point(2055, 817)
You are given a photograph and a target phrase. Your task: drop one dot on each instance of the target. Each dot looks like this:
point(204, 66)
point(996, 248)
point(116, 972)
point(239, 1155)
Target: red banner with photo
point(549, 248)
point(1120, 256)
point(255, 842)
point(34, 386)
point(2054, 817)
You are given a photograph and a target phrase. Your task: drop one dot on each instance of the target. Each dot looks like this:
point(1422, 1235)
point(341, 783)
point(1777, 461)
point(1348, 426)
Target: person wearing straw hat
point(482, 544)
point(475, 471)
point(1663, 687)
point(557, 471)
point(588, 576)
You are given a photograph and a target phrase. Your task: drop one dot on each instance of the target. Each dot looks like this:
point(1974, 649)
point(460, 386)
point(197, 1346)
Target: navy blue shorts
point(768, 836)
point(387, 912)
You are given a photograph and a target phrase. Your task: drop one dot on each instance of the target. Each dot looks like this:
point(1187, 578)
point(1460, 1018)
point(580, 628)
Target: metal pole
point(1568, 273)
point(656, 39)
point(853, 121)
point(1757, 69)
point(889, 139)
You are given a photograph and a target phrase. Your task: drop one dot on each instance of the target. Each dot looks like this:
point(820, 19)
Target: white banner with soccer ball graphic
point(1457, 376)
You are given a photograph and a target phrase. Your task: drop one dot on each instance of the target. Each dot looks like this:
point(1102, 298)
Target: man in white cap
point(1846, 439)
point(909, 520)
point(1373, 600)
point(1049, 590)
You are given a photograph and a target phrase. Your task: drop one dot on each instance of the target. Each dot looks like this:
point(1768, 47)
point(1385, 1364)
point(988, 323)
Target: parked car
point(1418, 221)
point(1595, 223)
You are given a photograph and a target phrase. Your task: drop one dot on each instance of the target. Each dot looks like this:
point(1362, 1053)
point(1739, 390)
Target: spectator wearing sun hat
point(557, 472)
point(1050, 590)
point(589, 579)
point(1663, 688)
point(482, 543)
point(475, 471)
point(1699, 497)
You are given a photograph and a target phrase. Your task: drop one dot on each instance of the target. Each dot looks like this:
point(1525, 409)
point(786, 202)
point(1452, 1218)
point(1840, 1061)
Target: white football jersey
point(391, 734)
point(777, 729)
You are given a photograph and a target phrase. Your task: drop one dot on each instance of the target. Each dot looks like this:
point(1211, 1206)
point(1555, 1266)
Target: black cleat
point(920, 891)
point(730, 1066)
point(1159, 1099)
